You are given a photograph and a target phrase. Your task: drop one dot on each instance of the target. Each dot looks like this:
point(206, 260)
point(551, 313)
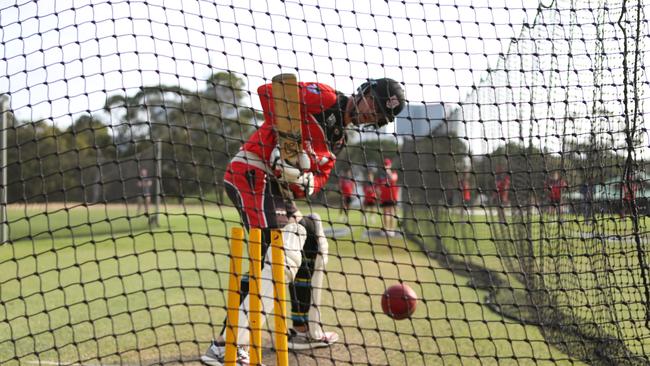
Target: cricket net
point(521, 217)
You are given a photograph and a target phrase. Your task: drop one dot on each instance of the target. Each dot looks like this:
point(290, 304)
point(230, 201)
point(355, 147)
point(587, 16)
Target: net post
point(3, 166)
point(155, 218)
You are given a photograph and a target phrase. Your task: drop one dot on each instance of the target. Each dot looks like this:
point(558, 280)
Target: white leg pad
point(293, 238)
point(315, 328)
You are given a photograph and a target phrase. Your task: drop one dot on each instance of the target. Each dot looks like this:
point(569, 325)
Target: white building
point(418, 120)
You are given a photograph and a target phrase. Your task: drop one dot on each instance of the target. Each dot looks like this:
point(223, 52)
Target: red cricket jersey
point(467, 194)
point(347, 187)
point(369, 193)
point(315, 100)
point(555, 188)
point(503, 186)
point(388, 188)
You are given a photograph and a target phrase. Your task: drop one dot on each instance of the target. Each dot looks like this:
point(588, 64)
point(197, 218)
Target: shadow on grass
point(111, 228)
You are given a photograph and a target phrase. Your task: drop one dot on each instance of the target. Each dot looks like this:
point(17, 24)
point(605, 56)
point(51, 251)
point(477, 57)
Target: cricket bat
point(288, 121)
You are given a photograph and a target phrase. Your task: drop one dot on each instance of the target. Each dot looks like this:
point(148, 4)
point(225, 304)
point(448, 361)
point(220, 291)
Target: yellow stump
point(236, 251)
point(279, 285)
point(255, 308)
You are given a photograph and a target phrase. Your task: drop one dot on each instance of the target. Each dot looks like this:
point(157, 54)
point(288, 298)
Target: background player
point(554, 186)
point(145, 183)
point(369, 199)
point(388, 194)
point(346, 188)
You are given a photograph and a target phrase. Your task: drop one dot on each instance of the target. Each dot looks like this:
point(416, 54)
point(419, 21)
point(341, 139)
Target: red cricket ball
point(399, 301)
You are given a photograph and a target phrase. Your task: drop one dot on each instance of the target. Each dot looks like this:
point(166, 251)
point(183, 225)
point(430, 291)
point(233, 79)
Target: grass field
point(591, 269)
point(95, 285)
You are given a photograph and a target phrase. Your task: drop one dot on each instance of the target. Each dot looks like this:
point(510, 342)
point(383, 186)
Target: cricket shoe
point(216, 354)
point(302, 341)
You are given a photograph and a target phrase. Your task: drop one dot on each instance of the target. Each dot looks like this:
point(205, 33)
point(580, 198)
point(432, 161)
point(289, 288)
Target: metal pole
point(155, 218)
point(3, 166)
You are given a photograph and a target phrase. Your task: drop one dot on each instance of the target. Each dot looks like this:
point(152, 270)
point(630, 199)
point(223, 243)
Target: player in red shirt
point(346, 186)
point(262, 187)
point(466, 190)
point(502, 193)
point(554, 187)
point(502, 182)
point(629, 188)
point(145, 182)
point(370, 198)
point(466, 193)
point(389, 192)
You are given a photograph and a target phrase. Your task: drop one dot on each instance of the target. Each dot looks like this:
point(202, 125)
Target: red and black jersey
point(331, 120)
point(554, 188)
point(503, 186)
point(502, 182)
point(466, 190)
point(369, 193)
point(346, 185)
point(323, 132)
point(388, 188)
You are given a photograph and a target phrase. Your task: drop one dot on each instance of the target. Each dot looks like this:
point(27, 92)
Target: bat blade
point(287, 121)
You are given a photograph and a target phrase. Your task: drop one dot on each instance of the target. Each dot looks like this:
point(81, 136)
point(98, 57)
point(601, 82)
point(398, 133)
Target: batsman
point(290, 156)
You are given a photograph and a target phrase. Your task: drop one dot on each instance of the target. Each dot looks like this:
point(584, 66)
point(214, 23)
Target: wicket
point(255, 306)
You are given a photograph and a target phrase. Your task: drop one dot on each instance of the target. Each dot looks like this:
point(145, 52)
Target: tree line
point(187, 137)
point(435, 164)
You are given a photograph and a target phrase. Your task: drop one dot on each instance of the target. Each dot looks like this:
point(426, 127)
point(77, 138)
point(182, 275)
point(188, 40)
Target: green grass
point(591, 269)
point(96, 284)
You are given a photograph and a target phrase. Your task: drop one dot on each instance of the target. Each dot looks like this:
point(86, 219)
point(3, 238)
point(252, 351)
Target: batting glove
point(299, 181)
point(303, 186)
point(304, 163)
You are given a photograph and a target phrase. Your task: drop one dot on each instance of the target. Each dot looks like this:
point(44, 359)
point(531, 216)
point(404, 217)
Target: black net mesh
point(511, 192)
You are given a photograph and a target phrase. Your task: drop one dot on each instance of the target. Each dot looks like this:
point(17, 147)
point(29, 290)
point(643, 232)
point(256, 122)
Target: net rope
point(521, 163)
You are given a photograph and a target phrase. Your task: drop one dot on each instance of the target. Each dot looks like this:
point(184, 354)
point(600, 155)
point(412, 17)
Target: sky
point(63, 58)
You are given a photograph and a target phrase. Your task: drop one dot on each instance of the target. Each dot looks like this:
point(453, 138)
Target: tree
point(198, 131)
point(86, 143)
point(33, 163)
point(216, 122)
point(367, 153)
point(528, 167)
point(431, 166)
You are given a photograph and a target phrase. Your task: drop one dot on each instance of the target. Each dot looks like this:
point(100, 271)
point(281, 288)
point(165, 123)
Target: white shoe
point(389, 233)
point(302, 341)
point(216, 354)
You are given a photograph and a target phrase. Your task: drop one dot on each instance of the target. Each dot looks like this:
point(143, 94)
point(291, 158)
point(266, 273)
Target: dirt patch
point(338, 354)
